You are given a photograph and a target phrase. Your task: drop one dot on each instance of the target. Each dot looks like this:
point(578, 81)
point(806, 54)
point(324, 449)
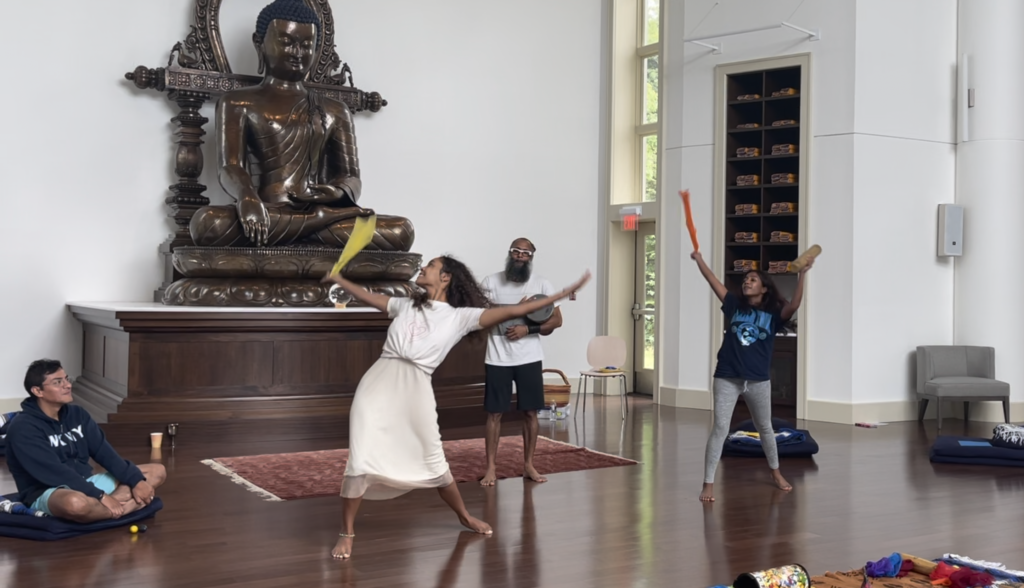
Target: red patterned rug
point(311, 474)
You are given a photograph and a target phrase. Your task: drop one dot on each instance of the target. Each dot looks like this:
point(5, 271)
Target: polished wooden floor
point(869, 492)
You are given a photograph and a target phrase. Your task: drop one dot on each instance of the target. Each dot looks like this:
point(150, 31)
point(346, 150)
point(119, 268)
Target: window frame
point(644, 130)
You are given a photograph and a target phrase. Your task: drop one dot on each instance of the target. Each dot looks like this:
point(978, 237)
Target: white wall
point(904, 167)
point(902, 292)
point(882, 158)
point(491, 133)
point(988, 311)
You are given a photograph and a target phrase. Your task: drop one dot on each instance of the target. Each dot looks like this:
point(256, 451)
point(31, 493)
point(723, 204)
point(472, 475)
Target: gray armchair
point(958, 372)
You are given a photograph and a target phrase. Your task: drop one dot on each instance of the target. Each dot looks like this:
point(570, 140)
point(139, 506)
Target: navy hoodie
point(43, 453)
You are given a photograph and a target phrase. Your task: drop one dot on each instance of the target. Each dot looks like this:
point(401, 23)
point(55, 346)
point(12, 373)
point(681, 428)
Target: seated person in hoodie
point(48, 451)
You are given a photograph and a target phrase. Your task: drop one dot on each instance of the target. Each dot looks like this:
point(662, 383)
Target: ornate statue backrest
point(200, 64)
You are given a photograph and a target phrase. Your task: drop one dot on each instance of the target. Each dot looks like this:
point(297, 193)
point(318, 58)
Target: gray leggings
point(758, 396)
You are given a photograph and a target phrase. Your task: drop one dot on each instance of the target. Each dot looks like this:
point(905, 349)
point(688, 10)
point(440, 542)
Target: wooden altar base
point(239, 374)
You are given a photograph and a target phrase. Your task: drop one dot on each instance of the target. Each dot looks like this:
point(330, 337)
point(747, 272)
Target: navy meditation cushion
point(22, 526)
point(974, 451)
point(800, 445)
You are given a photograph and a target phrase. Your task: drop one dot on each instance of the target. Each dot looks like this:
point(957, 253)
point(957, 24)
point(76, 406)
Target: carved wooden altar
point(245, 374)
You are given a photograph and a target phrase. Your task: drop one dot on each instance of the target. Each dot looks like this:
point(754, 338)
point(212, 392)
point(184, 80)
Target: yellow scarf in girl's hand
point(361, 236)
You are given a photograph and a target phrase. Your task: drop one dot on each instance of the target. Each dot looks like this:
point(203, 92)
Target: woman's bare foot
point(531, 473)
point(780, 481)
point(343, 548)
point(475, 524)
point(490, 477)
point(707, 494)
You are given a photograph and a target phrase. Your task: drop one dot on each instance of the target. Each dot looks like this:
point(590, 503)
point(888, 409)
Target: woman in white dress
point(394, 439)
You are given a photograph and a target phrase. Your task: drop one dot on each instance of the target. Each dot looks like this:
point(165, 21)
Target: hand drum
point(542, 315)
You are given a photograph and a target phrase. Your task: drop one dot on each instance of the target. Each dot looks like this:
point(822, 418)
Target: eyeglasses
point(60, 381)
point(523, 252)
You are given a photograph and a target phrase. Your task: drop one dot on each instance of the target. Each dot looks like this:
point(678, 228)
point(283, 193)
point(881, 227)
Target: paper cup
point(156, 440)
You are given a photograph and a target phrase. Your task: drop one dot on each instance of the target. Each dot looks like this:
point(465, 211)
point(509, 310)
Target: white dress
point(394, 438)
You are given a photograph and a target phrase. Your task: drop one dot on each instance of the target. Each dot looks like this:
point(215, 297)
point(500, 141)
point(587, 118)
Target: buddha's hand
point(255, 221)
point(318, 193)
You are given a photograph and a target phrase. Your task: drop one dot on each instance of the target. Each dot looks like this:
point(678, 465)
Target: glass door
point(644, 315)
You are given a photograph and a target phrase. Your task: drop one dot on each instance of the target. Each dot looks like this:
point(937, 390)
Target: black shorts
point(529, 380)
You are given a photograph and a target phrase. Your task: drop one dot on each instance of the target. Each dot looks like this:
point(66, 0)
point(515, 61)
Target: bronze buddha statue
point(286, 155)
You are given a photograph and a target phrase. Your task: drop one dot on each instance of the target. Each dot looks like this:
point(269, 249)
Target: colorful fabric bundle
point(748, 180)
point(949, 575)
point(889, 567)
point(993, 569)
point(782, 207)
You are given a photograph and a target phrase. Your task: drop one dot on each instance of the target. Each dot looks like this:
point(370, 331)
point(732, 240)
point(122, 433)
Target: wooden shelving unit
point(746, 98)
point(778, 121)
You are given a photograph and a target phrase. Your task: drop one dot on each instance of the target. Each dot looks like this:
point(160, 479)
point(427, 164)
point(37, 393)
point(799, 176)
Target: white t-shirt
point(425, 335)
point(500, 350)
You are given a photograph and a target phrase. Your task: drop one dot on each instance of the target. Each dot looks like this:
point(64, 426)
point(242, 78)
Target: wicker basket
point(557, 394)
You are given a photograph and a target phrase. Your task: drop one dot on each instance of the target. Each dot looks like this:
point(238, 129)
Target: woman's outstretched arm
point(378, 301)
point(709, 275)
point(500, 314)
point(793, 305)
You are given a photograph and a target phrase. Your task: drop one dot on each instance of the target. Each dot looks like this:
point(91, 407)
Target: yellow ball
point(133, 529)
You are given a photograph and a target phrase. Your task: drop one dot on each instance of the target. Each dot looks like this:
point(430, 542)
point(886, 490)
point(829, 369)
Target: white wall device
point(951, 230)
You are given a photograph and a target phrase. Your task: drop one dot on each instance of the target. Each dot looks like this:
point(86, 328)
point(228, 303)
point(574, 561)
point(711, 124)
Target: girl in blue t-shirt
point(753, 317)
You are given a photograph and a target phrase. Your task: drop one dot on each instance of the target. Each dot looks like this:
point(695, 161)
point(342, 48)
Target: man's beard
point(517, 273)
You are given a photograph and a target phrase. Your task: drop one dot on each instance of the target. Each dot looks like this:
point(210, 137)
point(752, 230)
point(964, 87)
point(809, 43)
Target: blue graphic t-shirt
point(746, 352)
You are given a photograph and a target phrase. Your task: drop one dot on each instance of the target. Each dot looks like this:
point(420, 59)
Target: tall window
point(648, 51)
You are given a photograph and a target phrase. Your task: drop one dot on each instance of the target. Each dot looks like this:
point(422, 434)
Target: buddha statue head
point(286, 39)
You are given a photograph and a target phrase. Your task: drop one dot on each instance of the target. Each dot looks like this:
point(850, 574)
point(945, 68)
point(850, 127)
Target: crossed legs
point(75, 506)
